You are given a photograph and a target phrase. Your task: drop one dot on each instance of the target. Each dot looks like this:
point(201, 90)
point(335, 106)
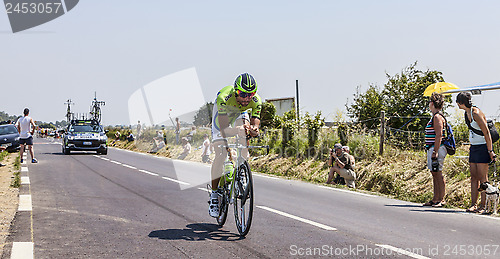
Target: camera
point(435, 165)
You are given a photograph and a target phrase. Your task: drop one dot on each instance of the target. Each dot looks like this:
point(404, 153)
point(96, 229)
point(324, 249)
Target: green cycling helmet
point(245, 83)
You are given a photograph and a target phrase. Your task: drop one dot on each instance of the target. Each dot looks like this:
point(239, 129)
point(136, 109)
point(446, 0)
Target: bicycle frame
point(239, 189)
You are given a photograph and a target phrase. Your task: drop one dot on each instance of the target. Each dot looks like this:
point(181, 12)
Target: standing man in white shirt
point(205, 156)
point(26, 127)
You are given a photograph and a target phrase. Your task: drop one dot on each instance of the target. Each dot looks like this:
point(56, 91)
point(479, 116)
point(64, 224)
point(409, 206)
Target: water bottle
point(228, 170)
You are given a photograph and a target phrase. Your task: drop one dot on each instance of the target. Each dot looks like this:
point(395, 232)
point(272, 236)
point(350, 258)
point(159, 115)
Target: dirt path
point(8, 197)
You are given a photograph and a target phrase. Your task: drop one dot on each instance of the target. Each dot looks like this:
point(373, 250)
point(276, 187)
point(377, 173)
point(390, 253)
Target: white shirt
point(24, 124)
point(206, 147)
point(474, 138)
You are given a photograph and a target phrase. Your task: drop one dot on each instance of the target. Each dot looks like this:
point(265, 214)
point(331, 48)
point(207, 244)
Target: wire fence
point(400, 136)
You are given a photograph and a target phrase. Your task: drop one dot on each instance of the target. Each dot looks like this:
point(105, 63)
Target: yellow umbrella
point(439, 87)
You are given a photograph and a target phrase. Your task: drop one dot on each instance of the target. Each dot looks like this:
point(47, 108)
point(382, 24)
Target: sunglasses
point(244, 95)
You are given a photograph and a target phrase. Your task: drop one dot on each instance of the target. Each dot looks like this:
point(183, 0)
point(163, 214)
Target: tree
point(366, 106)
point(403, 95)
point(46, 125)
point(313, 125)
point(204, 115)
point(268, 115)
point(288, 125)
point(5, 117)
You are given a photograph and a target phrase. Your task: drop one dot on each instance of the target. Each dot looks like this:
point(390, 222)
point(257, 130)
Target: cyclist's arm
point(254, 126)
point(256, 112)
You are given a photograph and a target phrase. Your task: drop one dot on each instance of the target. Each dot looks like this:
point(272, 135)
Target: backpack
point(449, 140)
point(489, 124)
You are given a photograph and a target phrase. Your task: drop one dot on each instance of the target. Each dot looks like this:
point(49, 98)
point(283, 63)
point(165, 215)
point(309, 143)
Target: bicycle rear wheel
point(243, 203)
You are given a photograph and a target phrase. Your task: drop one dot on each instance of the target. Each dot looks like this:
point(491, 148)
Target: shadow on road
point(72, 153)
point(423, 209)
point(196, 232)
point(440, 210)
point(403, 205)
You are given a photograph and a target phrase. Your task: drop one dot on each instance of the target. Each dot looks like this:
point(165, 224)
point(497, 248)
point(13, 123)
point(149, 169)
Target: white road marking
point(115, 162)
point(129, 166)
point(25, 180)
point(24, 169)
point(22, 250)
point(266, 176)
point(479, 215)
point(174, 180)
point(346, 191)
point(24, 162)
point(105, 159)
point(25, 203)
point(310, 222)
point(402, 251)
point(147, 172)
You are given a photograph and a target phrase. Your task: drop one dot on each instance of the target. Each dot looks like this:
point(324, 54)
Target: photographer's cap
point(337, 146)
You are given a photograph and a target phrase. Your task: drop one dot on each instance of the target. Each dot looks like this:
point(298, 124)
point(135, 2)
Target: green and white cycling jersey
point(226, 103)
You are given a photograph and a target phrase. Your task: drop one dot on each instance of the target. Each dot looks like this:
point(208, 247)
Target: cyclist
point(231, 118)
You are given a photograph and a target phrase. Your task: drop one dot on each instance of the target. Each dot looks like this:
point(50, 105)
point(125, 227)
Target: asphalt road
point(129, 205)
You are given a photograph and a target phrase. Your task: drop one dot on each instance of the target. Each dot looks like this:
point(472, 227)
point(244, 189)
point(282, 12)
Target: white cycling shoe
point(213, 208)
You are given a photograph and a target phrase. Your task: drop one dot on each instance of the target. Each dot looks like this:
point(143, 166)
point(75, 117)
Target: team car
point(9, 137)
point(85, 135)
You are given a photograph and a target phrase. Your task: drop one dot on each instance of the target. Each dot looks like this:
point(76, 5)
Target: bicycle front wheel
point(243, 203)
point(224, 205)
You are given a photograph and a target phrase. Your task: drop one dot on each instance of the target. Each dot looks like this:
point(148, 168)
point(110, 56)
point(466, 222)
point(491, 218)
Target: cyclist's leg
point(220, 153)
point(218, 163)
point(217, 167)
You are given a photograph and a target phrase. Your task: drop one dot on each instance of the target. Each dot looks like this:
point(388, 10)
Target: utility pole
point(297, 94)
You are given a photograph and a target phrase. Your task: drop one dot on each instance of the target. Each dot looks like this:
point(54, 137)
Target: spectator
point(205, 156)
point(158, 142)
point(139, 128)
point(348, 151)
point(481, 149)
point(342, 166)
point(190, 135)
point(130, 137)
point(341, 180)
point(26, 127)
point(117, 137)
point(2, 148)
point(164, 136)
point(187, 149)
point(435, 130)
point(177, 130)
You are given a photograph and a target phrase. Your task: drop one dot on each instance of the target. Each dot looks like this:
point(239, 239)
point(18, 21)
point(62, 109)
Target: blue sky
point(115, 47)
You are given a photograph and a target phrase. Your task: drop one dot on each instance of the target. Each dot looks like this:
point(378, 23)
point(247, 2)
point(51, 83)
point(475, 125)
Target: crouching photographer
point(342, 164)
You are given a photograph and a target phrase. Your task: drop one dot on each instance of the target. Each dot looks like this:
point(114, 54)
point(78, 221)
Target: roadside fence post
point(382, 133)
